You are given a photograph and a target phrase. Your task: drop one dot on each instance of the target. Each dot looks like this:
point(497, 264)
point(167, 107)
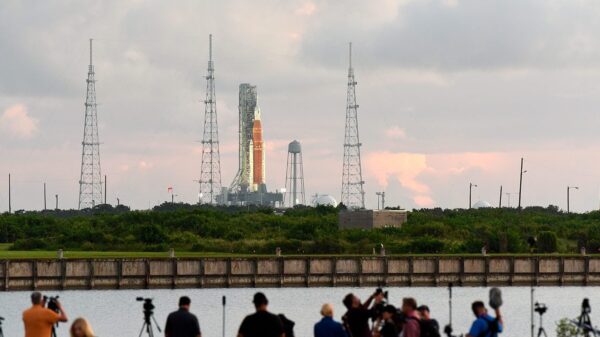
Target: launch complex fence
point(298, 272)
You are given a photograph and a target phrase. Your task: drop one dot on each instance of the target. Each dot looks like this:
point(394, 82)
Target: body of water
point(115, 313)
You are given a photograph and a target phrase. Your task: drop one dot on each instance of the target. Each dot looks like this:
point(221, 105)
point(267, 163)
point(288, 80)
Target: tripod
point(584, 324)
point(148, 318)
point(541, 329)
point(448, 328)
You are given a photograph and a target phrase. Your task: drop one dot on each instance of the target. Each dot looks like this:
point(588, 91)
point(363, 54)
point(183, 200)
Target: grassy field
point(5, 253)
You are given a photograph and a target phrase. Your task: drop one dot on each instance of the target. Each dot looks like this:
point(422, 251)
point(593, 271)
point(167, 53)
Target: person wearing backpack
point(412, 325)
point(429, 326)
point(484, 324)
point(385, 325)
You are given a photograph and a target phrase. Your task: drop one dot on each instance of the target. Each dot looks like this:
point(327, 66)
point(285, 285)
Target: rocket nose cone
point(257, 113)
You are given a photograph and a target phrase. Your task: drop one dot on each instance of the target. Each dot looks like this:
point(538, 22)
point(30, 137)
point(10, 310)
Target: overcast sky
point(450, 92)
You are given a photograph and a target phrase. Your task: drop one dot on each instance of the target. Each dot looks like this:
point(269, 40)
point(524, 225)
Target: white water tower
point(294, 176)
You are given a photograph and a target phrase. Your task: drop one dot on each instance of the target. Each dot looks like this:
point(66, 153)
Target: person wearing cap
point(182, 323)
point(261, 323)
point(388, 326)
point(429, 327)
point(39, 320)
point(327, 327)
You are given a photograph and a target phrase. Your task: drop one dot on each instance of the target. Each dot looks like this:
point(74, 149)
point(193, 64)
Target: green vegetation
point(202, 230)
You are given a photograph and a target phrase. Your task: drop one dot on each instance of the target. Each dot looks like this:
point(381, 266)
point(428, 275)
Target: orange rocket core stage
point(258, 154)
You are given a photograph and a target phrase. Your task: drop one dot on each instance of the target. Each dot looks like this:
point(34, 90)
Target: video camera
point(378, 308)
point(380, 291)
point(540, 308)
point(52, 303)
point(148, 307)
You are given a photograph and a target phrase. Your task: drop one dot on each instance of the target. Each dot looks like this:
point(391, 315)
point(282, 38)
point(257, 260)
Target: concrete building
point(369, 219)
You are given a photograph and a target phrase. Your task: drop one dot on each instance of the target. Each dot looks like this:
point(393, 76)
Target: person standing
point(81, 328)
point(262, 323)
point(386, 324)
point(327, 327)
point(356, 319)
point(39, 320)
point(412, 327)
point(182, 323)
point(429, 326)
point(484, 324)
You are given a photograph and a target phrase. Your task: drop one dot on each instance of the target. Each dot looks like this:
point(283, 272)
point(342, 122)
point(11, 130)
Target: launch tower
point(243, 181)
point(353, 195)
point(210, 171)
point(90, 180)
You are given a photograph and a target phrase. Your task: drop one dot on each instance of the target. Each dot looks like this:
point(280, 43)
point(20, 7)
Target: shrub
point(564, 328)
point(30, 244)
point(547, 242)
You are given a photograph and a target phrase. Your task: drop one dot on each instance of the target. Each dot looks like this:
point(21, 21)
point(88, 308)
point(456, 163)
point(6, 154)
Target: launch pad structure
point(249, 185)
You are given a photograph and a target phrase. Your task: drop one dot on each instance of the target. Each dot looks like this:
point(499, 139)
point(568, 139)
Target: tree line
point(301, 230)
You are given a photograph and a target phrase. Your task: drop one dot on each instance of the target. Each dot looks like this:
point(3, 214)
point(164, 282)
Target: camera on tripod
point(148, 306)
point(52, 303)
point(148, 316)
point(540, 308)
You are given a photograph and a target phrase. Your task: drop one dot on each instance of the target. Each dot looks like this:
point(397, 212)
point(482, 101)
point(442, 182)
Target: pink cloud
point(411, 170)
point(16, 121)
point(423, 201)
point(405, 167)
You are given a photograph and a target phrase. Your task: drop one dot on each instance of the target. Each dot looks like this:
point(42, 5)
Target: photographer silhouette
point(40, 321)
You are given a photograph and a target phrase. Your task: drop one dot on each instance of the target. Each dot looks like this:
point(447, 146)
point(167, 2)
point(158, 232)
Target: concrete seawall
point(297, 272)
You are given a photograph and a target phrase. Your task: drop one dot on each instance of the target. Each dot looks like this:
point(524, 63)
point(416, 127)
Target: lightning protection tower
point(294, 176)
point(353, 195)
point(210, 171)
point(90, 181)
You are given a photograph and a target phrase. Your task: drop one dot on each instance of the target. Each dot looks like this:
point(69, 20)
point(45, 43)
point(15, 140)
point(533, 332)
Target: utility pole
point(569, 188)
point(56, 197)
point(9, 196)
point(520, 183)
point(45, 196)
point(508, 194)
point(471, 185)
point(382, 195)
point(500, 202)
point(105, 189)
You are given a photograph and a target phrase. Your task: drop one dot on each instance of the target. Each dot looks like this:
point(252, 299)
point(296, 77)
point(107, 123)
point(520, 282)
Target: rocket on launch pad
point(258, 155)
